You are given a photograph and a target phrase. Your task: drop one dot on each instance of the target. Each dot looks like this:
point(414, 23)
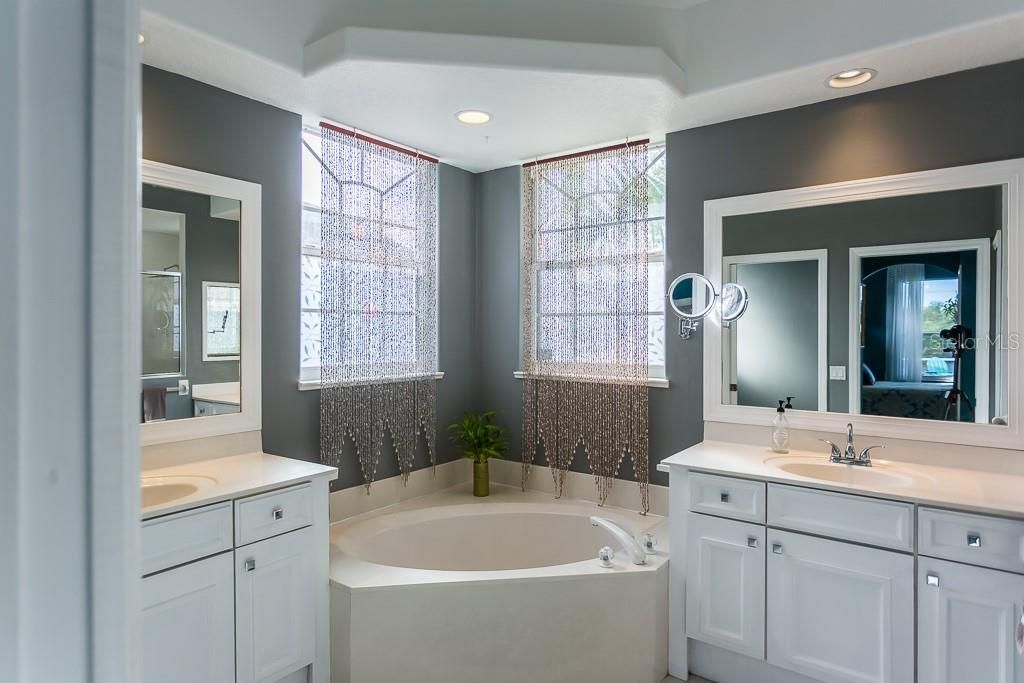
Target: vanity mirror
point(895, 299)
point(200, 265)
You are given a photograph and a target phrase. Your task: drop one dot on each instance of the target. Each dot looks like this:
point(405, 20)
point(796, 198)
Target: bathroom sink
point(161, 490)
point(881, 473)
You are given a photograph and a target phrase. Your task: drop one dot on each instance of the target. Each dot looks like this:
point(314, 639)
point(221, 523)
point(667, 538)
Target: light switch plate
point(837, 373)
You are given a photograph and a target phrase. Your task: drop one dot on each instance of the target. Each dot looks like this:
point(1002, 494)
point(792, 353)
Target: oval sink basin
point(161, 490)
point(879, 474)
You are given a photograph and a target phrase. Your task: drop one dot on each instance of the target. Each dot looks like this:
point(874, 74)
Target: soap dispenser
point(780, 430)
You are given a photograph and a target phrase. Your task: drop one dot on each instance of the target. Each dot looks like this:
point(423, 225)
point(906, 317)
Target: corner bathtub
point(447, 588)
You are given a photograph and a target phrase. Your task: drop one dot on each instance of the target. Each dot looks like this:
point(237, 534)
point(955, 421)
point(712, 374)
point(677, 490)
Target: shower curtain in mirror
point(584, 245)
point(904, 322)
point(378, 301)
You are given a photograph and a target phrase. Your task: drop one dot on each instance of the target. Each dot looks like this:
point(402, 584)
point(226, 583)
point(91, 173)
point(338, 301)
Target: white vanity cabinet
point(232, 591)
point(190, 609)
point(725, 589)
point(839, 612)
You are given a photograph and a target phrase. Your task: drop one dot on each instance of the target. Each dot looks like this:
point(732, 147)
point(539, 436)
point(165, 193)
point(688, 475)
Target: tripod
point(956, 396)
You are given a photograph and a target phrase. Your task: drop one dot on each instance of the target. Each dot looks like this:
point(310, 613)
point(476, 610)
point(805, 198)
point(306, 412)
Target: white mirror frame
point(1009, 174)
point(250, 417)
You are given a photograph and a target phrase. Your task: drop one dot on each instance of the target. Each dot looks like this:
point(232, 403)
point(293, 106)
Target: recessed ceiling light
point(851, 78)
point(142, 39)
point(473, 117)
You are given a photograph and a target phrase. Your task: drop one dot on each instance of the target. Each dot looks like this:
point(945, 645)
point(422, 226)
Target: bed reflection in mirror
point(191, 304)
point(892, 307)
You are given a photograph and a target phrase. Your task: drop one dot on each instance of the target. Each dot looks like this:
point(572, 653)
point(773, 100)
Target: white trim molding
point(250, 417)
point(983, 251)
point(821, 257)
point(1007, 174)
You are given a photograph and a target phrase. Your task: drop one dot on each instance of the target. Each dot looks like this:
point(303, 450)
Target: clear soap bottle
point(780, 430)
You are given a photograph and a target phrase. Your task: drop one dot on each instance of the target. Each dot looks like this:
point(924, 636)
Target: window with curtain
point(576, 265)
point(592, 320)
point(369, 295)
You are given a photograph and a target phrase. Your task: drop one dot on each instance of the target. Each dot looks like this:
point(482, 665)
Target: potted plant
point(479, 439)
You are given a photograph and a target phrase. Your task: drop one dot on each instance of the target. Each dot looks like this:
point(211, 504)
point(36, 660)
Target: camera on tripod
point(958, 335)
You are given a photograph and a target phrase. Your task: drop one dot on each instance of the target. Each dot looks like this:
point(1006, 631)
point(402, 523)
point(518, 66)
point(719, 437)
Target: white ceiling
point(560, 75)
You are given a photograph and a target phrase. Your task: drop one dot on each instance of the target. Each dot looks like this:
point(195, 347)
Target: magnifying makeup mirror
point(692, 298)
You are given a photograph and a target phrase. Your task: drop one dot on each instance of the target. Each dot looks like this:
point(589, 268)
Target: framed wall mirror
point(200, 284)
point(895, 299)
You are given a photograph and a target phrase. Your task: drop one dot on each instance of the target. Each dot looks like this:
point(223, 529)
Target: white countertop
point(971, 490)
point(220, 392)
point(231, 477)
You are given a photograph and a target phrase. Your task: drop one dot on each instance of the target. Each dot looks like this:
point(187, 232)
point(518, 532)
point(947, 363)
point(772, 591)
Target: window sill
point(653, 382)
point(314, 384)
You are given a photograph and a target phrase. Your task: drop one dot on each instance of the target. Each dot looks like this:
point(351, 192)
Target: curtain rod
point(609, 148)
point(377, 141)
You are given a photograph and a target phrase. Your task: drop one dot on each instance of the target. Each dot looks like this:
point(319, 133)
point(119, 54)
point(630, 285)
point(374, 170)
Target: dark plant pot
point(481, 479)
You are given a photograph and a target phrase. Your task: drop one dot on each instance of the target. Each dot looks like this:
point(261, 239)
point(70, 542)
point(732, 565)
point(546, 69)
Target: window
point(221, 324)
point(387, 252)
point(940, 311)
point(565, 295)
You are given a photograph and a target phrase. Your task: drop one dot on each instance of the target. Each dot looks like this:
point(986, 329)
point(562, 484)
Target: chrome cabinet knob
point(278, 513)
point(751, 542)
point(777, 548)
point(250, 564)
point(932, 580)
point(974, 540)
point(725, 496)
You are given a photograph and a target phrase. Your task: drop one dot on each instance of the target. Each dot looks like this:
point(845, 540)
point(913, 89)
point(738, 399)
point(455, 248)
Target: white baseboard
point(579, 485)
point(384, 492)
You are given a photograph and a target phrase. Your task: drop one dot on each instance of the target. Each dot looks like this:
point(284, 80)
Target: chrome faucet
point(632, 546)
point(850, 455)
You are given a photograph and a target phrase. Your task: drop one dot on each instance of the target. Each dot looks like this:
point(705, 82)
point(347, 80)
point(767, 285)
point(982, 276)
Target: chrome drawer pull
point(777, 548)
point(250, 564)
point(725, 496)
point(932, 580)
point(751, 542)
point(974, 540)
point(278, 513)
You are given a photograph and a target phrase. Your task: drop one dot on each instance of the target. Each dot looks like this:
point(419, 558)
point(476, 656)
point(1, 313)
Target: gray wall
point(964, 118)
point(962, 214)
point(190, 124)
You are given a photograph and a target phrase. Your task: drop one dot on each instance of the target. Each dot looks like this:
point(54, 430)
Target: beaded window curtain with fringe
point(584, 335)
point(378, 301)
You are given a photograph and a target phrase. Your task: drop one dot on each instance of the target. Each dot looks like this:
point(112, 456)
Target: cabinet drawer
point(186, 536)
point(273, 513)
point(885, 523)
point(973, 539)
point(727, 497)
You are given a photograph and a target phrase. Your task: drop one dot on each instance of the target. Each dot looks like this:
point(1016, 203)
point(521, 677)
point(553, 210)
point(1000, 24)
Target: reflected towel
point(154, 404)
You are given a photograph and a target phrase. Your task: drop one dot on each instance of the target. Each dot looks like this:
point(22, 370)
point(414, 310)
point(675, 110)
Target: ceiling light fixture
point(851, 78)
point(473, 117)
point(142, 39)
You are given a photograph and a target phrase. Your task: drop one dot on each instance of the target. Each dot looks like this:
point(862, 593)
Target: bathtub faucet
point(625, 539)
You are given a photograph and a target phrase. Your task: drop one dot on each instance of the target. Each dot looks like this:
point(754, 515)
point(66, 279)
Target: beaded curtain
point(584, 246)
point(378, 302)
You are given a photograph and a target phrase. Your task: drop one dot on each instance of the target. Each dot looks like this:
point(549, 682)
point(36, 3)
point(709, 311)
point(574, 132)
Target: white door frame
point(69, 449)
point(729, 264)
point(982, 247)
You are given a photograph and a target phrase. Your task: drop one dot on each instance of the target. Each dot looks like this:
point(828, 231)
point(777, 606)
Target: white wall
point(68, 448)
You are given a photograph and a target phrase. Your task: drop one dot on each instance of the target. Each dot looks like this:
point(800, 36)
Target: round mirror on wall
point(734, 302)
point(692, 296)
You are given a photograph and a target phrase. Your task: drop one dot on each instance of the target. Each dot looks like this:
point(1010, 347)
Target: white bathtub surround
point(451, 588)
point(578, 486)
point(387, 492)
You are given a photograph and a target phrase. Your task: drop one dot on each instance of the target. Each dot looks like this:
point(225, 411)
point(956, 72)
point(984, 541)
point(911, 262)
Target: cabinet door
point(966, 621)
point(725, 584)
point(275, 618)
point(188, 623)
point(840, 613)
